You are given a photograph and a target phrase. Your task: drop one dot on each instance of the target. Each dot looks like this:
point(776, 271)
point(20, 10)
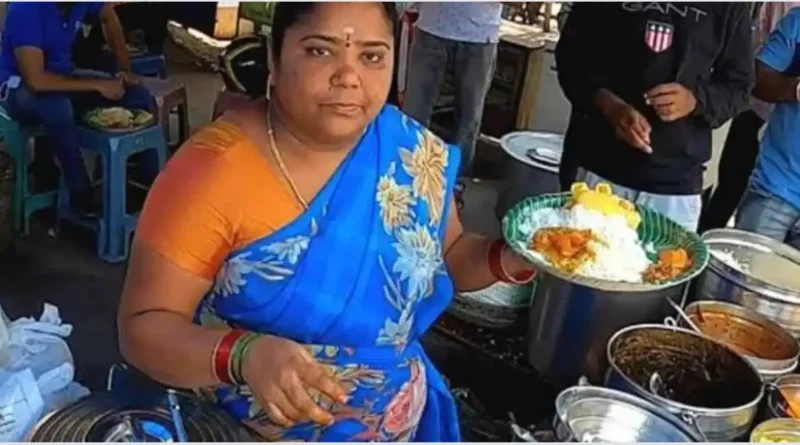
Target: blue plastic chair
point(150, 65)
point(24, 202)
point(115, 228)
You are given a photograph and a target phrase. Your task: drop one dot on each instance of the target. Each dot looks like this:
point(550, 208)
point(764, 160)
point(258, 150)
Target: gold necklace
point(284, 171)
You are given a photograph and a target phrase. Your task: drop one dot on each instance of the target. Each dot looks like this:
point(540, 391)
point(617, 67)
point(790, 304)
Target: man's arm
point(30, 60)
point(115, 36)
point(580, 67)
point(727, 93)
point(776, 75)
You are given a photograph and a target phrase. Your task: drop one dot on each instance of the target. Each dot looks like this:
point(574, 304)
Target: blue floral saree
point(357, 279)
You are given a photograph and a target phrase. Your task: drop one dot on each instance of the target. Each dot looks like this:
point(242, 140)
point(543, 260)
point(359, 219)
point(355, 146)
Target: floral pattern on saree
point(390, 379)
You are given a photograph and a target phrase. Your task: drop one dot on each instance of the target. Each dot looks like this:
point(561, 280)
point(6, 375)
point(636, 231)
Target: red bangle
point(222, 356)
point(494, 257)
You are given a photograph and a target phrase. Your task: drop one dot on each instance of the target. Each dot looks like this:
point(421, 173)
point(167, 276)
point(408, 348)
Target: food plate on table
point(594, 238)
point(118, 119)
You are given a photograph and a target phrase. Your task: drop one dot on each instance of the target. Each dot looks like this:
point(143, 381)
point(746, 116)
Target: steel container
point(531, 167)
point(770, 283)
point(777, 430)
point(571, 320)
point(775, 401)
point(690, 375)
point(591, 414)
point(768, 346)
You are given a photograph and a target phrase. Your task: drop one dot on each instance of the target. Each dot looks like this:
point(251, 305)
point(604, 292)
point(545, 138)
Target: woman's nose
point(346, 77)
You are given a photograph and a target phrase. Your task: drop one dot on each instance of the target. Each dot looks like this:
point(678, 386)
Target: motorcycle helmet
point(243, 65)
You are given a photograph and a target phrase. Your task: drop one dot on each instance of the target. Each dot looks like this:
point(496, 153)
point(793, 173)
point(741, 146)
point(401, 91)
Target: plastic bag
point(36, 371)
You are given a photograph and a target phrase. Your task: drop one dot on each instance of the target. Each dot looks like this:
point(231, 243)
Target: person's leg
point(683, 209)
point(473, 76)
point(735, 167)
point(766, 215)
point(56, 114)
point(427, 62)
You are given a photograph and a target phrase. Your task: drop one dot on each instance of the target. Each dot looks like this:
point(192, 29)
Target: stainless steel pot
point(591, 414)
point(768, 346)
point(770, 285)
point(688, 374)
point(777, 430)
point(572, 320)
point(774, 399)
point(531, 167)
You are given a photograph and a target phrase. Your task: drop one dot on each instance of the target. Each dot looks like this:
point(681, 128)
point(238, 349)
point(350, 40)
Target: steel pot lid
point(752, 378)
point(594, 414)
point(770, 268)
point(538, 149)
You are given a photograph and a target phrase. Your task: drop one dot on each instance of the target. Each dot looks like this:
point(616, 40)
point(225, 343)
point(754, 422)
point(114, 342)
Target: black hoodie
point(629, 48)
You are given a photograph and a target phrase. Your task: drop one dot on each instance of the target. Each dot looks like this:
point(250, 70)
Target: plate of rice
point(601, 241)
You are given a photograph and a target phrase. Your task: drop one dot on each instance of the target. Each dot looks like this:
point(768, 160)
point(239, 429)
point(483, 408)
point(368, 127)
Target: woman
point(292, 254)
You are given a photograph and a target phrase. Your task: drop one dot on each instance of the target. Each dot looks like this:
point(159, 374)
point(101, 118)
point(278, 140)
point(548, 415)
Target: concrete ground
point(67, 273)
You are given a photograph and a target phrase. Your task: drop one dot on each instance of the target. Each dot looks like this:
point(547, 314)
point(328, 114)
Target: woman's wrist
point(229, 354)
point(507, 266)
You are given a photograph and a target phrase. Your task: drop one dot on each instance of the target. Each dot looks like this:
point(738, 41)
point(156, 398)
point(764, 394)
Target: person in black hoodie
point(647, 83)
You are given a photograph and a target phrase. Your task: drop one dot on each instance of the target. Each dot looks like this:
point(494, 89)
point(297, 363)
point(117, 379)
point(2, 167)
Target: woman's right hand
point(280, 373)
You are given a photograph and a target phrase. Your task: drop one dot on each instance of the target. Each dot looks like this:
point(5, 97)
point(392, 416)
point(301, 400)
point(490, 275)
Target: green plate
point(655, 229)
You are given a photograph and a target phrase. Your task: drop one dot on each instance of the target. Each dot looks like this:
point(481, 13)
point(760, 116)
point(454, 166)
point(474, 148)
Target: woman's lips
point(344, 109)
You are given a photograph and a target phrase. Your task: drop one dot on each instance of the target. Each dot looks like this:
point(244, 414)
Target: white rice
point(727, 257)
point(620, 257)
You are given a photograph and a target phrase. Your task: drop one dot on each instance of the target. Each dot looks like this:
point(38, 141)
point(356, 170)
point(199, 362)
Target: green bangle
point(240, 350)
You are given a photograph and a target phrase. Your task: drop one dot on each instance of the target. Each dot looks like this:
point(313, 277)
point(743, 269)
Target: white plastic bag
point(21, 405)
point(36, 371)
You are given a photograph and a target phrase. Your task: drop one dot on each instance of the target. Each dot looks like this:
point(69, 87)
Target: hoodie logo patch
point(658, 36)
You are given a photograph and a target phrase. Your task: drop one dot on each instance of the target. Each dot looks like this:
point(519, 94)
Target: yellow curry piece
point(604, 201)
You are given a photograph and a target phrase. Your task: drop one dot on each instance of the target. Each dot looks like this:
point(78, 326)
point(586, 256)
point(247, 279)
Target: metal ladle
point(683, 315)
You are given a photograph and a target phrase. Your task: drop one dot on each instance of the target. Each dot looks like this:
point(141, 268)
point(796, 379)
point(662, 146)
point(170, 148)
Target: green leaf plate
point(656, 230)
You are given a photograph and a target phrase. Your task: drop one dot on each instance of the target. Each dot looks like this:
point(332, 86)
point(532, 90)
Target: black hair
point(288, 13)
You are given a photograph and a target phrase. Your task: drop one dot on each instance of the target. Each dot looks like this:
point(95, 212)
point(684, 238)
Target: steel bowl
point(767, 286)
point(776, 403)
point(592, 414)
point(777, 430)
point(690, 375)
point(768, 346)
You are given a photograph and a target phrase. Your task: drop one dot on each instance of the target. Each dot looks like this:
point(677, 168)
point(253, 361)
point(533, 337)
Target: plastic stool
point(25, 203)
point(115, 227)
point(152, 65)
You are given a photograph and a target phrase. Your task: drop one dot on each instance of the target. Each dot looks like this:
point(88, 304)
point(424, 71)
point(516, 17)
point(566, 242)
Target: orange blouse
point(216, 195)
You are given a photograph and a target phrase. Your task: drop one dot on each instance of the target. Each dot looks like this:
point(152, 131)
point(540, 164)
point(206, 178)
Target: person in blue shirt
point(38, 83)
point(771, 206)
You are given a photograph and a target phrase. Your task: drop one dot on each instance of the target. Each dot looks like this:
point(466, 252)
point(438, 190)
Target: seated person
point(39, 85)
point(771, 206)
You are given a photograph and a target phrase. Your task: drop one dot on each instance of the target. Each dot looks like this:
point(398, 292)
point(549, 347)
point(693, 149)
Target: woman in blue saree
point(292, 254)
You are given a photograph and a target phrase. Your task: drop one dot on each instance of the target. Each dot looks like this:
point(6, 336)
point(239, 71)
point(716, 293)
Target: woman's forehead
point(354, 19)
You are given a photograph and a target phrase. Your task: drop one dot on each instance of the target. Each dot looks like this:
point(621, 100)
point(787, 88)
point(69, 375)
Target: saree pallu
point(357, 279)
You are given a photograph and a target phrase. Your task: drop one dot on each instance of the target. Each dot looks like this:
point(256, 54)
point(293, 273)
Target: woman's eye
point(373, 57)
point(318, 52)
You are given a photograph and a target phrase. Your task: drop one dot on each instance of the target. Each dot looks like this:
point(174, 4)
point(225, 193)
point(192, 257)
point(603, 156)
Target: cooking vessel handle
point(670, 322)
point(584, 381)
point(691, 419)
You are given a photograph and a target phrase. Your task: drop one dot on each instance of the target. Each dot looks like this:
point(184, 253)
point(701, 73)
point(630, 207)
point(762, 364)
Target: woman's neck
point(293, 142)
